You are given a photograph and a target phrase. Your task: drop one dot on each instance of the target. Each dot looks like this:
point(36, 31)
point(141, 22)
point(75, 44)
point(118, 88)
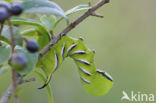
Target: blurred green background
point(125, 47)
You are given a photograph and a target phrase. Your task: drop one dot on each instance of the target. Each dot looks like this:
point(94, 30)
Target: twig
point(21, 38)
point(2, 24)
point(1, 28)
point(14, 74)
point(12, 36)
point(52, 34)
point(14, 78)
point(97, 15)
point(73, 25)
point(6, 96)
point(26, 81)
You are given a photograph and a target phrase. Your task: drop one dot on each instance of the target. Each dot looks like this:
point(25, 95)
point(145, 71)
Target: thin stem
point(2, 25)
point(12, 36)
point(48, 89)
point(6, 96)
point(21, 38)
point(1, 28)
point(97, 15)
point(14, 74)
point(52, 34)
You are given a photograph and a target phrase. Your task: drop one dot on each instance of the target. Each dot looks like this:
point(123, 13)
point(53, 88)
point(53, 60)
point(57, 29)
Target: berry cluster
point(19, 60)
point(7, 10)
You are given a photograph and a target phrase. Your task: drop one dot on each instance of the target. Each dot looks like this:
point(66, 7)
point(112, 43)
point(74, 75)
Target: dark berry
point(16, 9)
point(3, 14)
point(18, 61)
point(32, 46)
point(5, 5)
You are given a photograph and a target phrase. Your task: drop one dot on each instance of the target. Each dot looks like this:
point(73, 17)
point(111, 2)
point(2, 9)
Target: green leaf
point(40, 3)
point(29, 32)
point(5, 36)
point(7, 0)
point(42, 6)
point(48, 88)
point(73, 10)
point(5, 53)
point(3, 69)
point(23, 21)
point(77, 8)
point(42, 32)
point(48, 21)
point(42, 37)
point(32, 60)
point(2, 38)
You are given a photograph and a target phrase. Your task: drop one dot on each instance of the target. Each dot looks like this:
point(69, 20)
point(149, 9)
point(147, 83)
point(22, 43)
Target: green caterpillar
point(95, 82)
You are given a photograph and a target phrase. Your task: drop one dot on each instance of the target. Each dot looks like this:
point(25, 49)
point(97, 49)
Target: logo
point(137, 96)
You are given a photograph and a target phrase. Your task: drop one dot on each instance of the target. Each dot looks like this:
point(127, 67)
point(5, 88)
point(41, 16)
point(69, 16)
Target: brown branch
point(52, 34)
point(97, 15)
point(14, 74)
point(1, 28)
point(12, 36)
point(6, 96)
point(21, 38)
point(90, 12)
point(15, 86)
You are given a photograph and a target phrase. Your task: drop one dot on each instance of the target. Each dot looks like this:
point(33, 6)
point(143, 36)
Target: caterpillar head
point(99, 84)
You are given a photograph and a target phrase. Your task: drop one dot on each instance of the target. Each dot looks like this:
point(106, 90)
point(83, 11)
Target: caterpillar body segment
point(99, 85)
point(95, 82)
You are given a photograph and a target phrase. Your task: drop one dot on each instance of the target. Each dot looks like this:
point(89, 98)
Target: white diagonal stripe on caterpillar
point(78, 52)
point(70, 48)
point(105, 74)
point(84, 71)
point(62, 52)
point(83, 61)
point(56, 62)
point(85, 80)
